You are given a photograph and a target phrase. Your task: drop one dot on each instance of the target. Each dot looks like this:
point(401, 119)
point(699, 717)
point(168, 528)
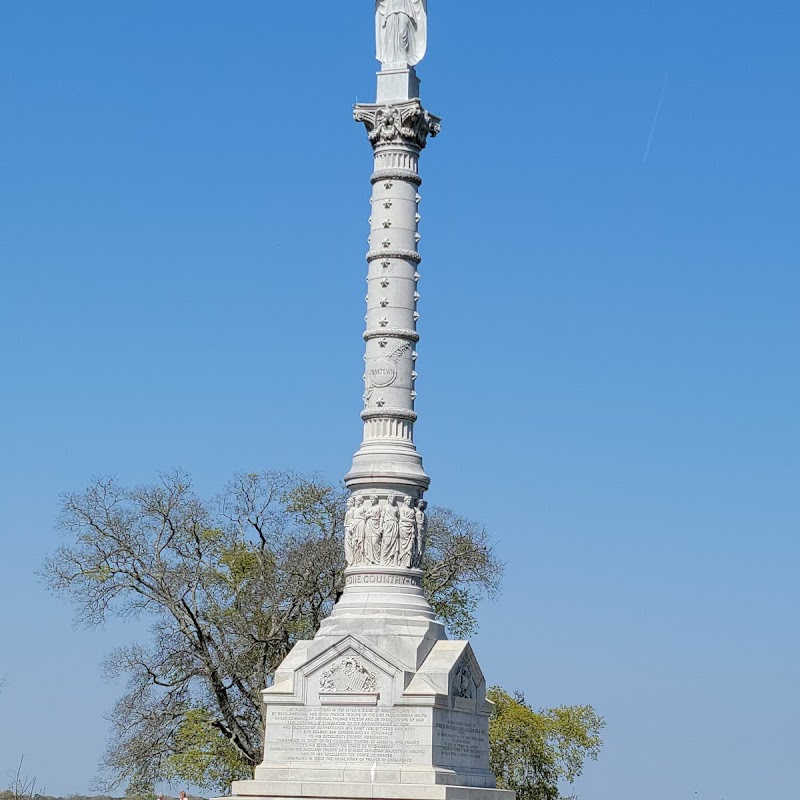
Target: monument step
point(279, 790)
point(311, 773)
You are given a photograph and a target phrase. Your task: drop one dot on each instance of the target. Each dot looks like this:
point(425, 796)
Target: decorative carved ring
point(397, 175)
point(395, 333)
point(408, 255)
point(389, 413)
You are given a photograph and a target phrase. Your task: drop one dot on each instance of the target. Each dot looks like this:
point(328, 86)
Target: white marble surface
point(401, 31)
point(380, 704)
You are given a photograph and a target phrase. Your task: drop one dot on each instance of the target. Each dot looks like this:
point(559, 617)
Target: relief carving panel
point(348, 676)
point(390, 533)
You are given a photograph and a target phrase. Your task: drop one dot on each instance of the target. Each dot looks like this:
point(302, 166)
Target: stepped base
point(277, 790)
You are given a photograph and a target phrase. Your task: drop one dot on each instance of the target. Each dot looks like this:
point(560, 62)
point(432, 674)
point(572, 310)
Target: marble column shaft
point(387, 461)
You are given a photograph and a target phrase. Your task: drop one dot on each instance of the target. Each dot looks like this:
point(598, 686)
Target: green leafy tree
point(532, 751)
point(229, 586)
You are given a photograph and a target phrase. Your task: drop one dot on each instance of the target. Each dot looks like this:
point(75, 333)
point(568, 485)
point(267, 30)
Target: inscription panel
point(348, 734)
point(378, 577)
point(381, 373)
point(460, 740)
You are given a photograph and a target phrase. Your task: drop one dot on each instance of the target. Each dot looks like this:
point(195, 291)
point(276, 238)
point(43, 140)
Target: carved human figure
point(408, 534)
point(422, 529)
point(401, 31)
point(463, 685)
point(349, 530)
point(372, 532)
point(359, 525)
point(390, 528)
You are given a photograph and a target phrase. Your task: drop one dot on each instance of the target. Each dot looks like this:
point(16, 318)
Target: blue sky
point(609, 363)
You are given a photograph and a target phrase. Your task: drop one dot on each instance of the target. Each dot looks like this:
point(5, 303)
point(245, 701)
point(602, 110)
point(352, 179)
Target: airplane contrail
point(655, 119)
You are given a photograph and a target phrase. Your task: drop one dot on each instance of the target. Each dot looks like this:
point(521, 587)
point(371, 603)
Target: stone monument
point(380, 704)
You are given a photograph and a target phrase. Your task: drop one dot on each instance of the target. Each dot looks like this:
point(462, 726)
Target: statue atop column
point(401, 31)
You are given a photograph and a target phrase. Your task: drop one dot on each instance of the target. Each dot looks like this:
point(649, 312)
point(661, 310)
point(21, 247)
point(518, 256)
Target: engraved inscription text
point(347, 734)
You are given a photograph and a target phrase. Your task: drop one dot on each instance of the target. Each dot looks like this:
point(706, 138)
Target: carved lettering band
point(391, 580)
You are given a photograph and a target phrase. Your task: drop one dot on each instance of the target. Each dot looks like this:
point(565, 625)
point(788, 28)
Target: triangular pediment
point(468, 659)
point(355, 647)
point(450, 671)
point(351, 667)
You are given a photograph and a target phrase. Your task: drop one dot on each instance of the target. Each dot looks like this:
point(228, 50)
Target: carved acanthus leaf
point(404, 123)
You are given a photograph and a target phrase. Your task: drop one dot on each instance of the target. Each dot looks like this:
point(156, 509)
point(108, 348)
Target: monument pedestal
point(397, 85)
point(378, 705)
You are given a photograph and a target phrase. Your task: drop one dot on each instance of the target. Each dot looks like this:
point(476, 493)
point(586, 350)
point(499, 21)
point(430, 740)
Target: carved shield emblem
point(348, 676)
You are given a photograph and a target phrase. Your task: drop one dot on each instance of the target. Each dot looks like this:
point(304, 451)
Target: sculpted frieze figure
point(401, 31)
point(463, 684)
point(390, 526)
point(422, 529)
point(357, 526)
point(408, 534)
point(349, 527)
point(372, 532)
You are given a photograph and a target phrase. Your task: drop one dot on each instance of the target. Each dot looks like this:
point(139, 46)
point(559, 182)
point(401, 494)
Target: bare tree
point(229, 586)
point(22, 787)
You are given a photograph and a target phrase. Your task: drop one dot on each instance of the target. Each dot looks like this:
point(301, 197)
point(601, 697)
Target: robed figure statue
point(401, 31)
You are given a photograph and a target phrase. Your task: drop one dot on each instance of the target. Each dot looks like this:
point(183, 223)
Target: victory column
point(380, 704)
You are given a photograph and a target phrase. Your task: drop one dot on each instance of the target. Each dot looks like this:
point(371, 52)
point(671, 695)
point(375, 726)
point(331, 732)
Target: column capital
point(393, 124)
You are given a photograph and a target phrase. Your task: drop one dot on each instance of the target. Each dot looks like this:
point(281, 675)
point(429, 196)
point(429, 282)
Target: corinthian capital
point(402, 123)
